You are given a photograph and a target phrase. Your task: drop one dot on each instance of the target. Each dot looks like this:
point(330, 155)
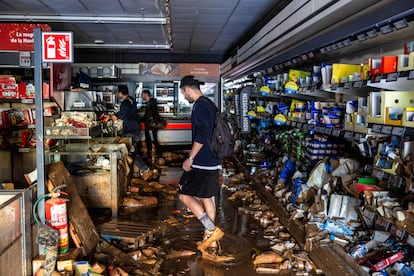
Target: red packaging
point(388, 64)
point(4, 119)
point(388, 261)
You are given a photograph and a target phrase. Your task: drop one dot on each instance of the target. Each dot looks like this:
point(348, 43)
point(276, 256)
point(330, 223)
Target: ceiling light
point(322, 50)
point(340, 45)
point(98, 41)
point(399, 24)
point(84, 19)
point(124, 46)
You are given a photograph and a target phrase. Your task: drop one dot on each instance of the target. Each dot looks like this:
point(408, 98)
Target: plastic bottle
point(403, 269)
point(362, 249)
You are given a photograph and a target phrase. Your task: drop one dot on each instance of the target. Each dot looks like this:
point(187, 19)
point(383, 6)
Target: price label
point(328, 131)
point(376, 78)
point(357, 136)
point(299, 125)
point(24, 150)
point(358, 84)
point(24, 59)
point(27, 101)
point(334, 86)
point(348, 135)
point(288, 123)
point(386, 129)
point(410, 75)
point(399, 131)
point(336, 132)
point(392, 77)
point(377, 128)
point(348, 85)
point(294, 124)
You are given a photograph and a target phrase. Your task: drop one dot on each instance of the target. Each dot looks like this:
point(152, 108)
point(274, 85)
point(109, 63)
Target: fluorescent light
point(85, 19)
point(123, 46)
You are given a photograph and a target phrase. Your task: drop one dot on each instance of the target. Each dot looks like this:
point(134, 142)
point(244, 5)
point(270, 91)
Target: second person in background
point(151, 115)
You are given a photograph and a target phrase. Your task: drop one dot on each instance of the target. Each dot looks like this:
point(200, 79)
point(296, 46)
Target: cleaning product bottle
point(403, 269)
point(362, 249)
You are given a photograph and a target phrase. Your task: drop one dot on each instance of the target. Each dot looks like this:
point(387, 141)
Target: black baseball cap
point(190, 81)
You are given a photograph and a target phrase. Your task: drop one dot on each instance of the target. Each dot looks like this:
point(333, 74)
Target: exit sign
point(57, 47)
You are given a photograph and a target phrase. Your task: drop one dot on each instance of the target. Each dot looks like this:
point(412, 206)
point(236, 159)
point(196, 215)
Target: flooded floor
point(243, 235)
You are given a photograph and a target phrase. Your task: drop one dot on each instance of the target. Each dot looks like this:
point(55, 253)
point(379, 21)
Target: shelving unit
point(325, 254)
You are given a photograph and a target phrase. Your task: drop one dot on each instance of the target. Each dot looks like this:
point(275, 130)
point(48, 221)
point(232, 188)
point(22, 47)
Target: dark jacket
point(202, 121)
point(151, 113)
point(128, 113)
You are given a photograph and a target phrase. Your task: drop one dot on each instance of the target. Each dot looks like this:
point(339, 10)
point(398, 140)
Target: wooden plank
point(78, 215)
point(332, 262)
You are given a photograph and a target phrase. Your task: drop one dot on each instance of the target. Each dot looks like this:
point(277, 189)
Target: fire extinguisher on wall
point(56, 217)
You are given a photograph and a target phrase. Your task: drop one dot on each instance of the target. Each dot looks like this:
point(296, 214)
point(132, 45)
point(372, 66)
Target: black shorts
point(199, 183)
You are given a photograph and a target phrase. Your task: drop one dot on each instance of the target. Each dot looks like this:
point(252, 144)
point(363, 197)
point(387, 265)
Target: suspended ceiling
point(194, 30)
point(243, 35)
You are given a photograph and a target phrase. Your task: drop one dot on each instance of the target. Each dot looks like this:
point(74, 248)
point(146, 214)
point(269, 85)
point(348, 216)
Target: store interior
point(321, 99)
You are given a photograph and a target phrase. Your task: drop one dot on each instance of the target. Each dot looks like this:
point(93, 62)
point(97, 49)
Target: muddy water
point(243, 234)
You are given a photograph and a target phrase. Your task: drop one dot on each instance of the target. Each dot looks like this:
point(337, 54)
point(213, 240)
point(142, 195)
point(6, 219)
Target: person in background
point(128, 113)
point(151, 114)
point(198, 185)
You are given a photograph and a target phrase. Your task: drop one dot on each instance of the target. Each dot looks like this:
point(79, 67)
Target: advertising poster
point(19, 37)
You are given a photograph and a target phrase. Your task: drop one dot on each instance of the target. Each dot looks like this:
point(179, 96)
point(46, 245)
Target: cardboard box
point(375, 65)
point(403, 61)
point(408, 117)
point(376, 106)
point(394, 104)
point(341, 72)
point(388, 64)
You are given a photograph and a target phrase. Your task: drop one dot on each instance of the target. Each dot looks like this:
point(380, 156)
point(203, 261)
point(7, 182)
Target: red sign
point(19, 37)
point(57, 47)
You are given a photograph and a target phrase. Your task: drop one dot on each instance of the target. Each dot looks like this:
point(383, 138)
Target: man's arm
point(193, 152)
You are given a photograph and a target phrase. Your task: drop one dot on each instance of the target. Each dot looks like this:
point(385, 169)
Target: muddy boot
point(214, 247)
point(216, 235)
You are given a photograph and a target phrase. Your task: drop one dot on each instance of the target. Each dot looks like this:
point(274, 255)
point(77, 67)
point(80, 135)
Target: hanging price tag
point(399, 131)
point(392, 77)
point(386, 130)
point(377, 128)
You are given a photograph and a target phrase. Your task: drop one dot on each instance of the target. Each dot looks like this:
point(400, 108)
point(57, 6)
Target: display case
point(99, 172)
point(17, 234)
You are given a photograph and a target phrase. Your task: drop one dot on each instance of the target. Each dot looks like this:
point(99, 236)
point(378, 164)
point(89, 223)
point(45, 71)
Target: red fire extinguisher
point(56, 217)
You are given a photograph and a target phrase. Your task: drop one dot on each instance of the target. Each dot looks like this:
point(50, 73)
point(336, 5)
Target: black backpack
point(222, 142)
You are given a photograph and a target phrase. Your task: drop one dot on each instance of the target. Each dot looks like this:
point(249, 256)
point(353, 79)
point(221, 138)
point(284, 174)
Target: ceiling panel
point(207, 27)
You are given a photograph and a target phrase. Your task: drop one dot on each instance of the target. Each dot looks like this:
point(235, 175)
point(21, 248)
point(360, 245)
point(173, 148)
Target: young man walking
point(199, 185)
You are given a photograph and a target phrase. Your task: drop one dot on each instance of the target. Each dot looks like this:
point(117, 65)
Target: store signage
point(19, 37)
point(244, 108)
point(57, 47)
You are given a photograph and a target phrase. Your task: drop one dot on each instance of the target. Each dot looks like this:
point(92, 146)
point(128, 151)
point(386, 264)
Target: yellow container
point(394, 104)
point(408, 117)
point(403, 63)
point(340, 71)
